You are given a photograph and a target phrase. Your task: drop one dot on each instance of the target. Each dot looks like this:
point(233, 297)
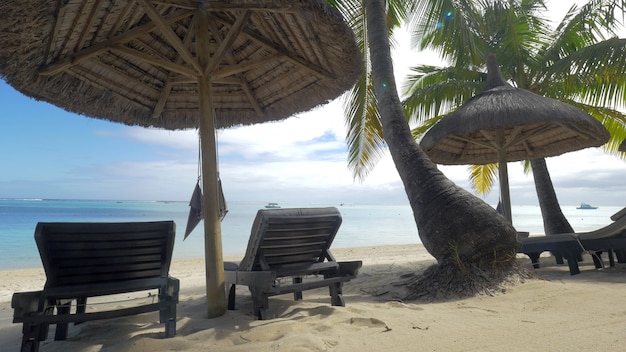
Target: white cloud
point(186, 140)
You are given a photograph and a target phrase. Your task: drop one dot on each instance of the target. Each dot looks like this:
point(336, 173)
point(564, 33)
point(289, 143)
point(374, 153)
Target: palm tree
point(475, 248)
point(575, 63)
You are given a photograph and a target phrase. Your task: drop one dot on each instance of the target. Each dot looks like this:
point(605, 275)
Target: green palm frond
point(599, 68)
point(419, 131)
point(483, 177)
point(431, 91)
point(364, 135)
point(582, 27)
point(526, 167)
point(445, 27)
point(614, 121)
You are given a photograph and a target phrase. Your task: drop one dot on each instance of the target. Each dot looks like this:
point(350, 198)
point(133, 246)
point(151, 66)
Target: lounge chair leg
point(30, 345)
point(534, 258)
point(81, 307)
point(260, 303)
point(167, 317)
point(168, 298)
point(231, 297)
point(572, 262)
point(32, 334)
point(336, 296)
point(597, 259)
point(63, 307)
point(170, 328)
point(297, 295)
point(558, 257)
point(262, 314)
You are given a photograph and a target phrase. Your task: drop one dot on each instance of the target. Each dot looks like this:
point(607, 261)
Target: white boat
point(272, 205)
point(586, 206)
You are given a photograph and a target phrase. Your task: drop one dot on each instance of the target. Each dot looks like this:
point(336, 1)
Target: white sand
point(558, 313)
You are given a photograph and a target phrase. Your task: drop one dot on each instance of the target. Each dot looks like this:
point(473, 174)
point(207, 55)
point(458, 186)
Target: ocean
point(363, 225)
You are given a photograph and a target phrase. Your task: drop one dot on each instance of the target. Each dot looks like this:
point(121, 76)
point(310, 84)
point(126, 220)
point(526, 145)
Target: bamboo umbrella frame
point(504, 124)
point(179, 64)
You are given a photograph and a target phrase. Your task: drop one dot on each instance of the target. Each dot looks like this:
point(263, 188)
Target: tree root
point(442, 282)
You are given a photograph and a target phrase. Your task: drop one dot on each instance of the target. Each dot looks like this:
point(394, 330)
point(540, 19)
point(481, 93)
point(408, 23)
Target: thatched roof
point(532, 126)
point(136, 62)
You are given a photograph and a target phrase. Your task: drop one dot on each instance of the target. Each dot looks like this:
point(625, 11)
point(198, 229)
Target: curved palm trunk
point(553, 219)
point(461, 231)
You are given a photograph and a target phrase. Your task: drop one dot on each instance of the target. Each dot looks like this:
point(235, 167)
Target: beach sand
point(556, 312)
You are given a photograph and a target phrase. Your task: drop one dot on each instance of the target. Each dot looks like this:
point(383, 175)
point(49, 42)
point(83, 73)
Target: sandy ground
point(557, 312)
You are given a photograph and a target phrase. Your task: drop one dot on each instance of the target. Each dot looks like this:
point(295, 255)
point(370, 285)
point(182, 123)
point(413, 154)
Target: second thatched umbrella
point(180, 64)
point(503, 124)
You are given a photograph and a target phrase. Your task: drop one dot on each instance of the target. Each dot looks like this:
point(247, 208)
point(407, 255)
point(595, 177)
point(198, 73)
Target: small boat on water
point(586, 206)
point(272, 205)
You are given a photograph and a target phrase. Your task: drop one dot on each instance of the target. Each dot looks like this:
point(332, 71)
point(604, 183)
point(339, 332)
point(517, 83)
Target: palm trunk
point(461, 231)
point(553, 219)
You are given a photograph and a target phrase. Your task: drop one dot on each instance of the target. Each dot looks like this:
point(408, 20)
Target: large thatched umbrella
point(180, 64)
point(503, 124)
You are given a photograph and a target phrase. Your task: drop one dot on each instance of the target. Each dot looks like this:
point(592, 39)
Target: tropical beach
point(212, 66)
point(555, 311)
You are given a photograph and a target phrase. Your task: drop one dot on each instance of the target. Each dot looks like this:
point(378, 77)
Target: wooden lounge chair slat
point(292, 243)
point(105, 244)
point(83, 317)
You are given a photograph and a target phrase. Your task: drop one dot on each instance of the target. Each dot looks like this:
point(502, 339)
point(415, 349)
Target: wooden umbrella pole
point(214, 264)
point(503, 172)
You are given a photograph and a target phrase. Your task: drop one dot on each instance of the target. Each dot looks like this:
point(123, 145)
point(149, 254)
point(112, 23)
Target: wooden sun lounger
point(292, 244)
point(83, 260)
point(562, 246)
point(610, 239)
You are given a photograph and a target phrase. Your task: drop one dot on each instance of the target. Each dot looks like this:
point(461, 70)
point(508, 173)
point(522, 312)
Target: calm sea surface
point(363, 225)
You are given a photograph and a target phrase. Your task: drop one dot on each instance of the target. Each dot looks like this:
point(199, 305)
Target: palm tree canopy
point(576, 62)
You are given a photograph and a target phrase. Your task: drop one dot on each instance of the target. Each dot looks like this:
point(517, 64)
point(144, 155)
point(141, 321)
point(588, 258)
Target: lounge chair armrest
point(309, 269)
point(25, 304)
point(261, 279)
point(350, 268)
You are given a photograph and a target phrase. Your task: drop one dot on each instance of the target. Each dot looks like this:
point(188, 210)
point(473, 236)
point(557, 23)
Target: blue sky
point(50, 153)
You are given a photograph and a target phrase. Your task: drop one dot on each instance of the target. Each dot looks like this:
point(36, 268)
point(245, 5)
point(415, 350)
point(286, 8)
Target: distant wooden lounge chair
point(290, 243)
point(83, 260)
point(610, 239)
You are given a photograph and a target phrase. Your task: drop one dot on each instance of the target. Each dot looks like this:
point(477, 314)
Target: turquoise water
point(363, 225)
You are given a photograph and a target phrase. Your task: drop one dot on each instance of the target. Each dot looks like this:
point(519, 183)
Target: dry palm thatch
point(531, 126)
point(137, 62)
point(504, 123)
